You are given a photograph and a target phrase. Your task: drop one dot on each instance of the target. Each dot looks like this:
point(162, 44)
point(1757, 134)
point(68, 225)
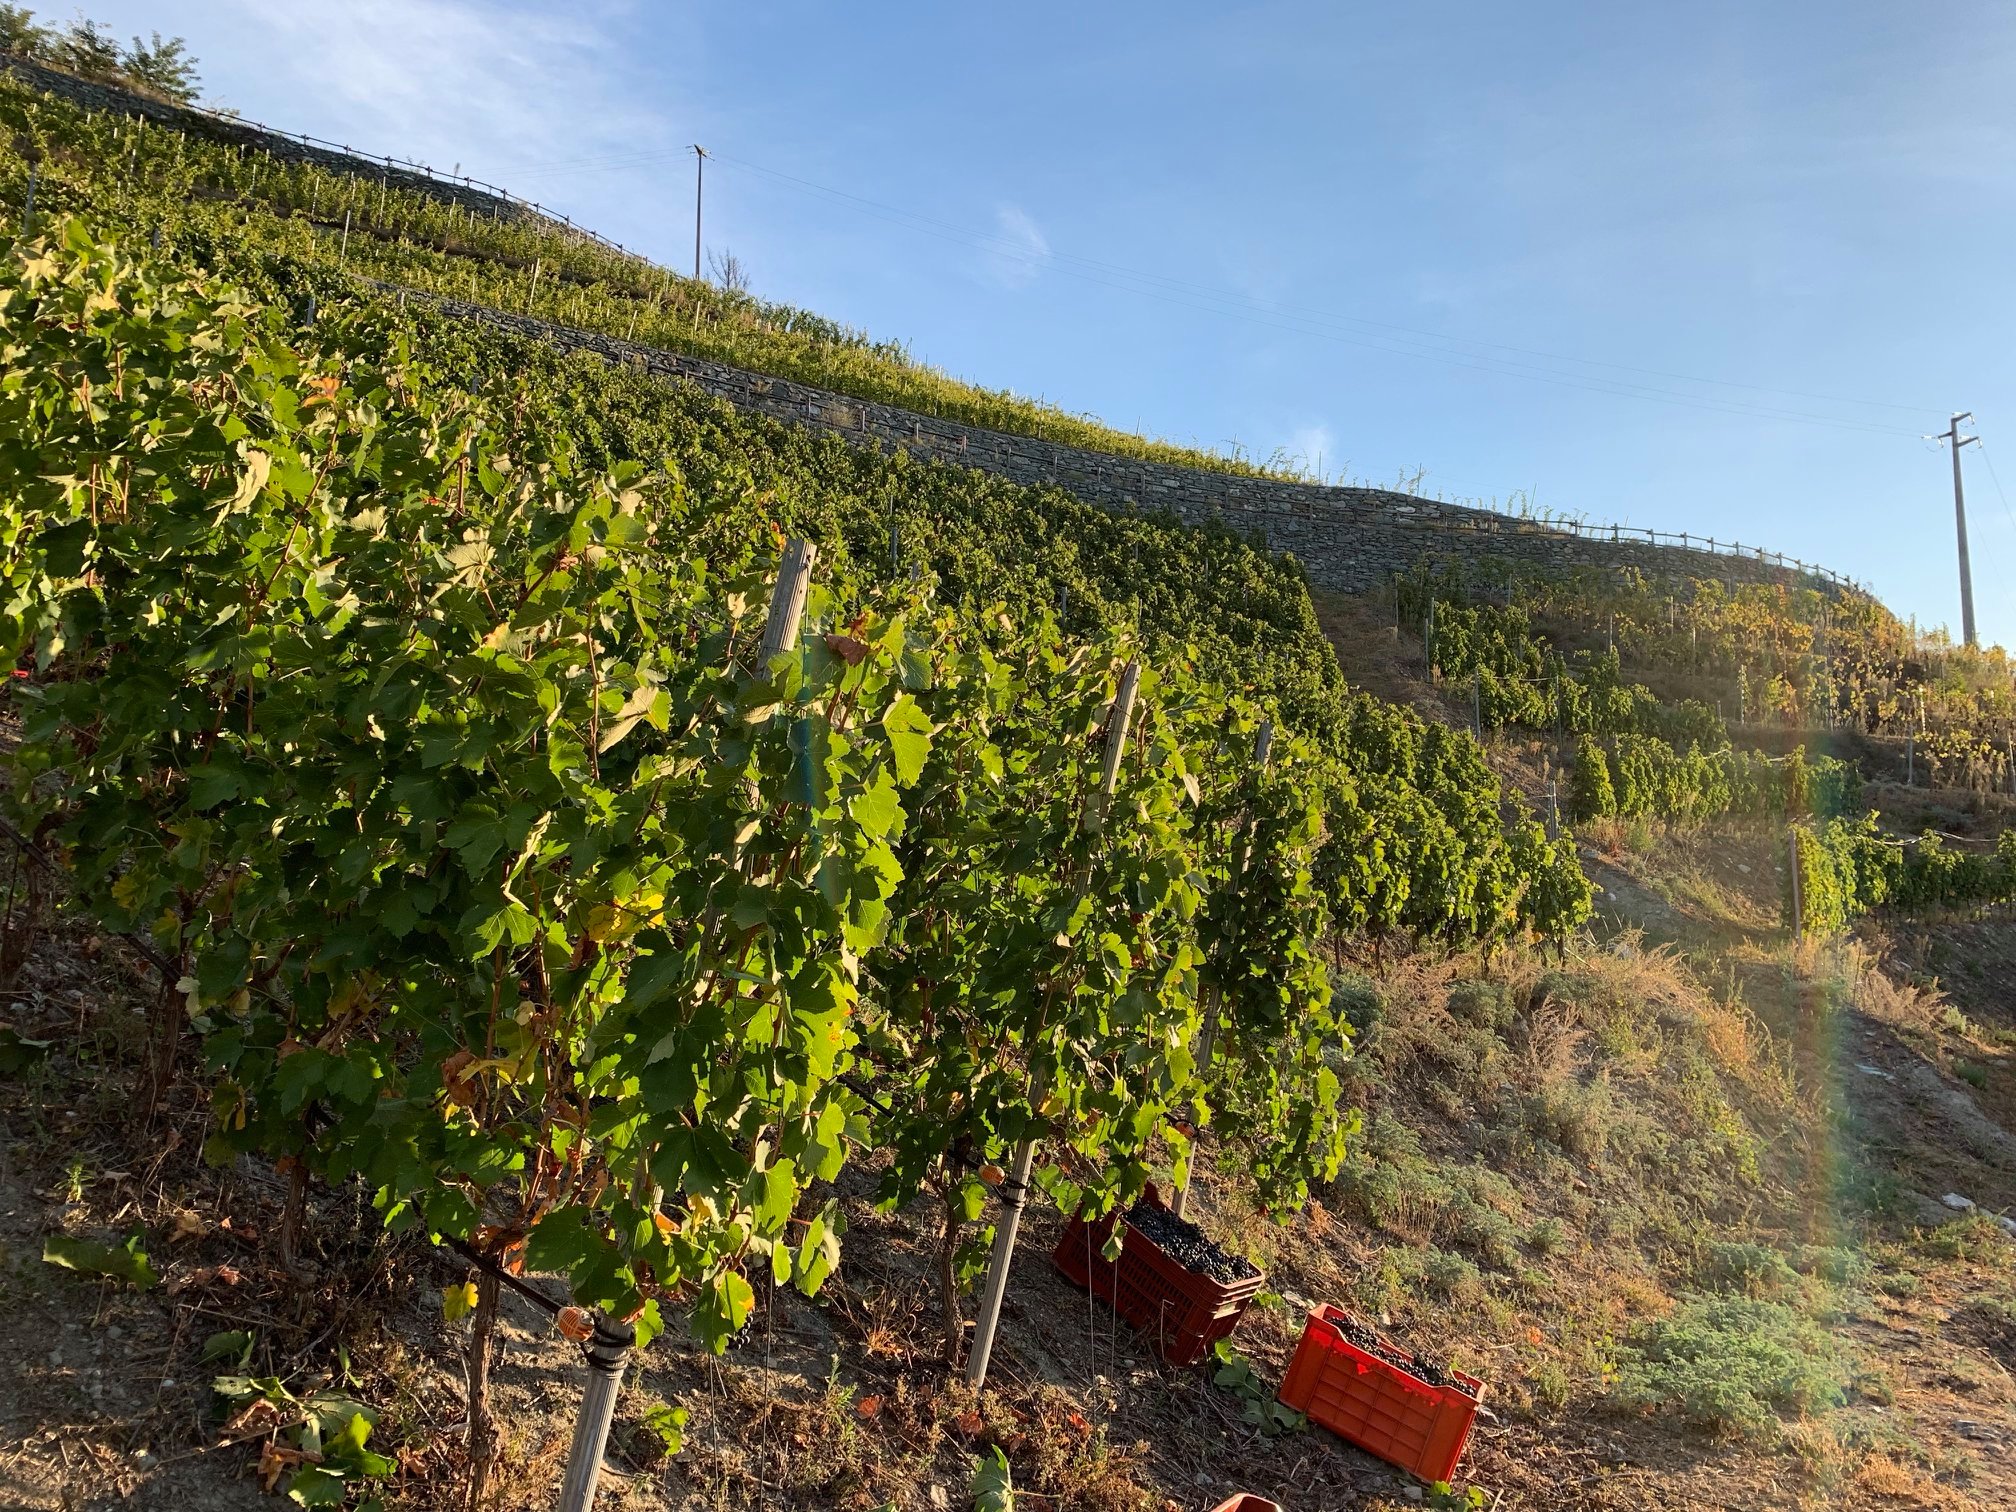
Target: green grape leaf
point(908, 730)
point(993, 1484)
point(127, 1262)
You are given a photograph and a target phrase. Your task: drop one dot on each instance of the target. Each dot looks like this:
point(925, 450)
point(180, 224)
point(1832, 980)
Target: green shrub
point(1751, 1269)
point(1831, 1262)
point(1546, 1236)
point(1488, 1005)
point(1577, 1117)
point(1486, 1231)
point(1976, 1238)
point(1732, 1364)
point(1591, 794)
point(1551, 1386)
point(1451, 1278)
point(1356, 1000)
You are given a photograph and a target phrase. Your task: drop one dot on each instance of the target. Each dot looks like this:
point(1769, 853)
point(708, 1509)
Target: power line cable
point(1316, 322)
point(1296, 325)
point(2007, 513)
point(1181, 285)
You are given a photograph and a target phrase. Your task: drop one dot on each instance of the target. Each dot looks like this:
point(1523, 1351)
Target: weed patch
point(1976, 1239)
point(1732, 1365)
point(1751, 1269)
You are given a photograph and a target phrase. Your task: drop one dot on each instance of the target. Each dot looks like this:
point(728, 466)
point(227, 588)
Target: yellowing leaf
point(909, 731)
point(258, 468)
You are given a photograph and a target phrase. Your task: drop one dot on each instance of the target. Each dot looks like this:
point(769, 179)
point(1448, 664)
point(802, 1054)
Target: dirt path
point(1938, 1348)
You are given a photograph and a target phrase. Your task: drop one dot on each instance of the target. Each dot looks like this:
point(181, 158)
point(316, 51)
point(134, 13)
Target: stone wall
point(1348, 539)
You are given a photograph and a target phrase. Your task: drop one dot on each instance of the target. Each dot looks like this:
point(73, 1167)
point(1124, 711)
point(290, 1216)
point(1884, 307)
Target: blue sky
point(1439, 236)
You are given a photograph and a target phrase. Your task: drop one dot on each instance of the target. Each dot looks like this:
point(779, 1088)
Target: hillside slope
point(1624, 1177)
point(510, 265)
point(1672, 1183)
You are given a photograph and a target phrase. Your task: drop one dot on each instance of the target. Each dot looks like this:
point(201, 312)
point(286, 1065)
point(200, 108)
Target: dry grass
point(1883, 996)
point(1893, 1481)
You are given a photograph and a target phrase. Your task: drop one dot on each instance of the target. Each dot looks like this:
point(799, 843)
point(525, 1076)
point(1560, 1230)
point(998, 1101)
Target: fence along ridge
point(37, 72)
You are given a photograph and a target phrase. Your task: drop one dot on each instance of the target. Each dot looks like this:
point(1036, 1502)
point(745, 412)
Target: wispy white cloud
point(1023, 248)
point(1313, 449)
point(493, 87)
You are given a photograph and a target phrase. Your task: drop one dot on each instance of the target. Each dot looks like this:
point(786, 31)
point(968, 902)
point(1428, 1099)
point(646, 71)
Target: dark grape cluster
point(1422, 1368)
point(1186, 1244)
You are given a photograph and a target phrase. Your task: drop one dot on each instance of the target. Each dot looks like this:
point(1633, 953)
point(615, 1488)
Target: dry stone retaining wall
point(1347, 539)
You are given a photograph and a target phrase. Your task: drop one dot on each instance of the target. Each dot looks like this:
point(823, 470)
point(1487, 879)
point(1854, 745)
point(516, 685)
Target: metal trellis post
point(608, 1355)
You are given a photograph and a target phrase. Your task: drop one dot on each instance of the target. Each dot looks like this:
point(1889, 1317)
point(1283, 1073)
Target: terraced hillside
point(421, 849)
point(496, 259)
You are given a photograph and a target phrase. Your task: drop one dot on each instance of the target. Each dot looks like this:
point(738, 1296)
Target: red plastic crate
point(1246, 1501)
point(1183, 1312)
point(1382, 1409)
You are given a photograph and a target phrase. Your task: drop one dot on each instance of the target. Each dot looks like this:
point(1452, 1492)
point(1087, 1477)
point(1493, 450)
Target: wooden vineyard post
point(1015, 1187)
point(1207, 1040)
point(1798, 890)
point(343, 247)
point(780, 629)
point(787, 600)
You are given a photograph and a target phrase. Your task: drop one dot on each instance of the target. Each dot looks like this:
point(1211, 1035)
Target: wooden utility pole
point(699, 185)
point(1952, 437)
